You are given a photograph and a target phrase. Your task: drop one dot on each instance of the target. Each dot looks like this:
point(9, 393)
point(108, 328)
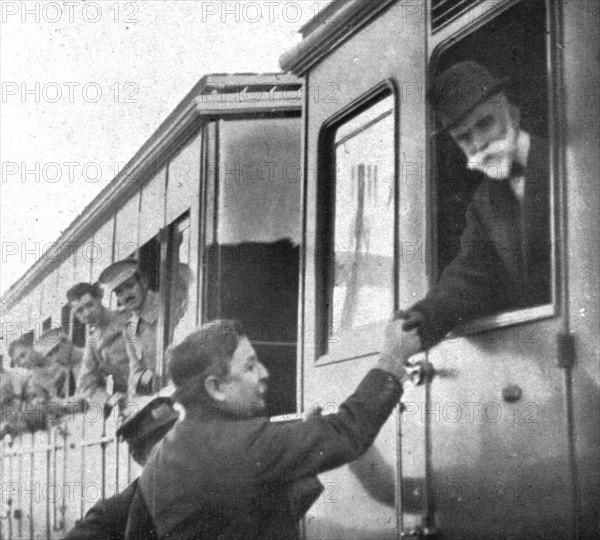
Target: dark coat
point(221, 478)
point(122, 517)
point(504, 262)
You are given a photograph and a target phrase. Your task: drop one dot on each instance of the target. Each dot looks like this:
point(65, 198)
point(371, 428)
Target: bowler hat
point(119, 272)
point(146, 415)
point(458, 90)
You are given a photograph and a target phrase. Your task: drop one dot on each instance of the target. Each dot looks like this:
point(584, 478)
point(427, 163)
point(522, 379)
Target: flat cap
point(119, 272)
point(146, 415)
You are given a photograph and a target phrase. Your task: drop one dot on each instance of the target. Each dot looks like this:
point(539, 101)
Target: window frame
point(441, 41)
point(178, 225)
point(364, 341)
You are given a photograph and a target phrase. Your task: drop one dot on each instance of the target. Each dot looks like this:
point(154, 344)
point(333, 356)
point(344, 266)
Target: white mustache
point(481, 160)
point(492, 161)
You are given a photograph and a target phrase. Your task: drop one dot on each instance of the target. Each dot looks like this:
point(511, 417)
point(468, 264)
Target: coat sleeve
point(470, 286)
point(288, 452)
point(107, 519)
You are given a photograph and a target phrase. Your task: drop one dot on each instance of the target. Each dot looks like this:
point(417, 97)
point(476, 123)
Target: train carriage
point(501, 438)
point(210, 206)
point(313, 231)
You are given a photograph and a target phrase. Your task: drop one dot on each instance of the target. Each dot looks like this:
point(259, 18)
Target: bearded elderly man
point(225, 472)
point(504, 262)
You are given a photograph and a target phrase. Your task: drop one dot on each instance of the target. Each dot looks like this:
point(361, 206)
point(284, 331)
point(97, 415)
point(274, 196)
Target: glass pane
point(181, 319)
point(254, 254)
point(259, 181)
point(363, 241)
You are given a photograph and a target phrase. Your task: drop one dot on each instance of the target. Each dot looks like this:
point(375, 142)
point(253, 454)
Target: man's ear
point(212, 385)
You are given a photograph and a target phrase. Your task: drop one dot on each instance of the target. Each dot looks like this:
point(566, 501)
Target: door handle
point(420, 371)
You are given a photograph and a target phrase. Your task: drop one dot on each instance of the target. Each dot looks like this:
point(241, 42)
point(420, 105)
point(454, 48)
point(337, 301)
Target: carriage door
point(494, 415)
point(366, 121)
point(252, 241)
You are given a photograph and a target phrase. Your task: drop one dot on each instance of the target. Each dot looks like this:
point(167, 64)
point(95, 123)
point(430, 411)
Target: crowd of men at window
point(52, 377)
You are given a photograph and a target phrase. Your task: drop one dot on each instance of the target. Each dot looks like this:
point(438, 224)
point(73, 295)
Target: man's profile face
point(246, 385)
point(87, 309)
point(132, 293)
point(488, 138)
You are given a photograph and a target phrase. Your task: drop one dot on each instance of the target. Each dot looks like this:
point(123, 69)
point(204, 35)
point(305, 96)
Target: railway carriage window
point(181, 319)
point(512, 46)
point(149, 260)
point(46, 324)
point(358, 212)
point(65, 317)
point(28, 337)
point(252, 253)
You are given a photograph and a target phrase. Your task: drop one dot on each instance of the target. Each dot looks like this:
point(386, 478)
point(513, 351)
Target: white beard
point(497, 159)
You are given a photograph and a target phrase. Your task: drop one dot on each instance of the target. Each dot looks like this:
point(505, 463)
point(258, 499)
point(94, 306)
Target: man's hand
point(75, 405)
point(117, 398)
point(399, 345)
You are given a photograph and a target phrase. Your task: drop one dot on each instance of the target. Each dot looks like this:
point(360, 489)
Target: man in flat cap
point(62, 364)
point(105, 353)
point(504, 262)
point(226, 471)
point(130, 286)
point(148, 419)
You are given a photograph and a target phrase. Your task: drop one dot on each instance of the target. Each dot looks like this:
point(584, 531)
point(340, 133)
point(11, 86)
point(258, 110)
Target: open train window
point(251, 257)
point(356, 224)
point(149, 262)
point(46, 324)
point(65, 317)
point(28, 337)
point(180, 317)
point(513, 45)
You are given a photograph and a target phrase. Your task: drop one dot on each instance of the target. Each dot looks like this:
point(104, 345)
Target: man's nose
point(479, 143)
point(263, 372)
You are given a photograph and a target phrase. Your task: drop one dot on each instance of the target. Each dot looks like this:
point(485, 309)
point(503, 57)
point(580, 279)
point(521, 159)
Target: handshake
point(401, 342)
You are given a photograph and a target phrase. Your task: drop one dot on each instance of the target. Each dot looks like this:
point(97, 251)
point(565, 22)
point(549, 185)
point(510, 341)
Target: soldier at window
point(130, 286)
point(105, 354)
point(63, 363)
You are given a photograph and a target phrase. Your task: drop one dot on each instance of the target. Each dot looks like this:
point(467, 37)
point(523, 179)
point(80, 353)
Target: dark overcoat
point(218, 478)
point(122, 517)
point(504, 262)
